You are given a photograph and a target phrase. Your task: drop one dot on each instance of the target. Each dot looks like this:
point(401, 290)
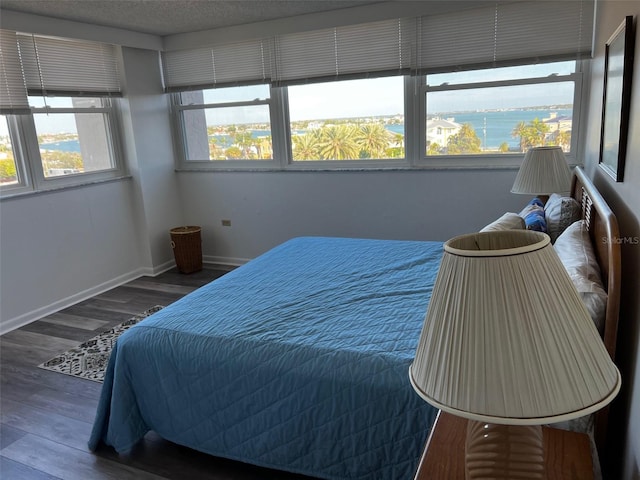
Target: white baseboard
point(157, 270)
point(228, 261)
point(21, 320)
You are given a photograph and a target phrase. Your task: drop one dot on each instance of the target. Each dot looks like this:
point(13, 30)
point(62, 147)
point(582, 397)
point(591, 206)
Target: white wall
point(624, 198)
point(267, 208)
point(26, 22)
point(61, 247)
point(149, 152)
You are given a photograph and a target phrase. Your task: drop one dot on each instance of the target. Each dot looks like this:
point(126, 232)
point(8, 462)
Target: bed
point(299, 359)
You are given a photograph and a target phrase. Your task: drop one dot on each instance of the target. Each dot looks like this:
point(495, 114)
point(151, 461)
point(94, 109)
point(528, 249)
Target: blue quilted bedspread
point(297, 360)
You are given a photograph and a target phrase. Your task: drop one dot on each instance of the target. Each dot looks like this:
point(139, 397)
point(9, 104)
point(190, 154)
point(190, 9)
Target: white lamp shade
point(507, 339)
point(544, 171)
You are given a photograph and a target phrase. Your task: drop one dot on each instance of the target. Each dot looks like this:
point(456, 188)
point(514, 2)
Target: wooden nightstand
point(567, 454)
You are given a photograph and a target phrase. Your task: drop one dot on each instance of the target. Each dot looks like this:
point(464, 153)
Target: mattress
point(297, 361)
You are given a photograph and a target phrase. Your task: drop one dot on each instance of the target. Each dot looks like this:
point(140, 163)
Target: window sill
point(344, 170)
point(499, 162)
point(8, 195)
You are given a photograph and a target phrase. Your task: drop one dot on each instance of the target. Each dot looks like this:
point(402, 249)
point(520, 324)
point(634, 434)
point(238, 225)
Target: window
point(332, 121)
point(73, 135)
point(8, 170)
point(226, 124)
point(459, 87)
point(63, 141)
point(347, 120)
point(466, 118)
point(59, 119)
point(501, 110)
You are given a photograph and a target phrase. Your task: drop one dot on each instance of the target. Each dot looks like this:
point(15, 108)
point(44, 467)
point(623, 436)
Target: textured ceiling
point(166, 17)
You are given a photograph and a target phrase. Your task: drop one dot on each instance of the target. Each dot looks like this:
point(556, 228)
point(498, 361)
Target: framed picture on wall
point(618, 66)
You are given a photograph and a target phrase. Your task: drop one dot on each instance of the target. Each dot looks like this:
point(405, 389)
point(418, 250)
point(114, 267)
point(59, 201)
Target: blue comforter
point(297, 360)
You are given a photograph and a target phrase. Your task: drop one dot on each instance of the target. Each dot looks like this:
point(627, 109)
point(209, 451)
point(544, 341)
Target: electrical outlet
point(226, 223)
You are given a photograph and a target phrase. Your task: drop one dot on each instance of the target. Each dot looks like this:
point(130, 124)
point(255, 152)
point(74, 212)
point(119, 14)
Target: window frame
point(281, 141)
point(23, 170)
point(356, 164)
point(506, 159)
point(180, 145)
point(29, 167)
point(415, 91)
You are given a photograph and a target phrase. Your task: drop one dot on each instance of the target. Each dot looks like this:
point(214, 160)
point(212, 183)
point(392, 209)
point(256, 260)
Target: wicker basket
point(187, 248)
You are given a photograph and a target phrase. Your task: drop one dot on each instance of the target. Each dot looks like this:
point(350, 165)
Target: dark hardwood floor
point(46, 417)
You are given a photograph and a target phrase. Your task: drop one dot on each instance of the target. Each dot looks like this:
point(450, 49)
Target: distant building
point(439, 130)
point(558, 123)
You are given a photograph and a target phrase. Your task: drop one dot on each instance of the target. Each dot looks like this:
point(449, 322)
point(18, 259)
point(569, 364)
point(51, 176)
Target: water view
point(376, 137)
point(493, 128)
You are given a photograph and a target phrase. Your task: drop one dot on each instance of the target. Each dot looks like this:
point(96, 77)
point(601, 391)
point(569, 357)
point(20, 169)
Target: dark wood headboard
point(605, 237)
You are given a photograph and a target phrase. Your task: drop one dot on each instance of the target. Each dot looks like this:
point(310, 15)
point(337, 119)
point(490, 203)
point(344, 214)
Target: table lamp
point(544, 171)
point(508, 344)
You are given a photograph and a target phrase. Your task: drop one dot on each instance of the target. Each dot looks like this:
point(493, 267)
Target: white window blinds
point(507, 33)
point(13, 91)
point(68, 67)
point(232, 64)
point(510, 32)
point(342, 52)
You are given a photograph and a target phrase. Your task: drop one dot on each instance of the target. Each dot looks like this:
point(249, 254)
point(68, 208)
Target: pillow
point(533, 215)
point(560, 212)
point(508, 221)
point(574, 248)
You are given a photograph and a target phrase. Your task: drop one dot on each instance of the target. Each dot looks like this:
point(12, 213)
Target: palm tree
point(434, 148)
point(465, 141)
point(373, 139)
point(8, 172)
point(305, 147)
point(395, 149)
point(214, 150)
point(563, 139)
point(539, 133)
point(233, 153)
point(338, 143)
point(532, 134)
point(520, 130)
point(265, 148)
point(232, 131)
point(244, 140)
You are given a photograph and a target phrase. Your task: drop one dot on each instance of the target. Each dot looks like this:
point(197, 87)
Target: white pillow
point(560, 212)
point(574, 248)
point(508, 221)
